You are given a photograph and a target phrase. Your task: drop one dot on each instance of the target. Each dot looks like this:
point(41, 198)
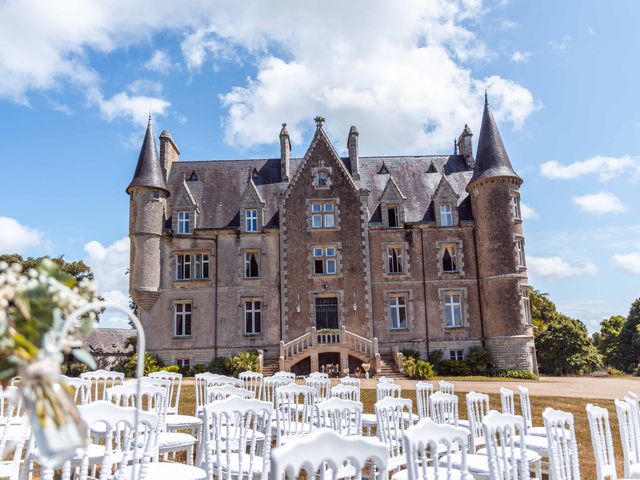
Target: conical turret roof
point(491, 159)
point(148, 170)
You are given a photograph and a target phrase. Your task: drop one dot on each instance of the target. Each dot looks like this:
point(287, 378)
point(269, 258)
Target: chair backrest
point(11, 408)
point(602, 442)
point(431, 449)
point(252, 381)
point(628, 436)
point(346, 392)
point(174, 389)
point(13, 434)
point(477, 409)
point(351, 381)
point(344, 416)
point(386, 380)
point(563, 447)
point(393, 418)
point(423, 392)
point(282, 373)
point(201, 389)
point(271, 384)
point(153, 399)
point(221, 392)
point(507, 402)
point(447, 387)
point(632, 399)
point(507, 461)
point(237, 431)
point(444, 408)
point(322, 453)
point(81, 388)
point(525, 406)
point(294, 410)
point(318, 375)
point(101, 380)
point(120, 439)
point(386, 389)
point(322, 386)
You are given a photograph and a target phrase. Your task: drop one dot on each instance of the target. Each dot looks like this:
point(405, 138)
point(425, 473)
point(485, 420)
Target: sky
point(78, 80)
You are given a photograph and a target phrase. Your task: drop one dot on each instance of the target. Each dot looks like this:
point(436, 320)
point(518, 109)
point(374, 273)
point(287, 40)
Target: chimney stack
point(465, 146)
point(285, 153)
point(352, 146)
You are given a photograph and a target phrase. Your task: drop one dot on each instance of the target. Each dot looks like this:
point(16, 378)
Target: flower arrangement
point(33, 306)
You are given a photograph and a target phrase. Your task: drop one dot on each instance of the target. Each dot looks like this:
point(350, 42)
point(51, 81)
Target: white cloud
point(18, 238)
point(559, 46)
point(606, 168)
point(629, 262)
point(135, 108)
point(109, 264)
point(528, 213)
point(520, 57)
point(600, 203)
point(553, 268)
point(160, 62)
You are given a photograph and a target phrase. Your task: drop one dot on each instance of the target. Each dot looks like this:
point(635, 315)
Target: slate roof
point(148, 169)
point(104, 341)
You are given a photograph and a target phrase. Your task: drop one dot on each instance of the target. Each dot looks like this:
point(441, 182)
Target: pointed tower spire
point(148, 170)
point(491, 159)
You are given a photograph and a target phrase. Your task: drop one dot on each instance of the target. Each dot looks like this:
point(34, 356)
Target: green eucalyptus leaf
point(84, 357)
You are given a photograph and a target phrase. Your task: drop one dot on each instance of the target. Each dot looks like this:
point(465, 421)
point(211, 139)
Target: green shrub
point(615, 372)
point(199, 368)
point(454, 368)
point(242, 362)
point(417, 369)
point(215, 366)
point(435, 358)
point(410, 352)
point(151, 364)
point(172, 369)
point(479, 360)
point(518, 374)
point(74, 369)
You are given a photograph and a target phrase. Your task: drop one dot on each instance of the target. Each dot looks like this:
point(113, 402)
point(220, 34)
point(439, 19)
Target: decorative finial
point(319, 121)
point(455, 147)
point(486, 98)
point(149, 122)
point(284, 125)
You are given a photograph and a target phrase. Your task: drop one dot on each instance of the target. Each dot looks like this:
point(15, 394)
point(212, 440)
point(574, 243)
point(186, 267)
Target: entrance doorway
point(327, 313)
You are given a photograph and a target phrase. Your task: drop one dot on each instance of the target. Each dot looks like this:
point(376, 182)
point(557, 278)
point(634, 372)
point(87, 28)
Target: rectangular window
point(182, 319)
point(449, 258)
point(323, 215)
point(392, 213)
point(517, 211)
point(453, 309)
point(456, 355)
point(326, 313)
point(183, 362)
point(446, 215)
point(395, 260)
point(192, 266)
point(322, 179)
point(251, 220)
point(520, 252)
point(252, 317)
point(184, 223)
point(398, 307)
point(325, 260)
point(183, 266)
point(201, 261)
point(251, 264)
point(526, 305)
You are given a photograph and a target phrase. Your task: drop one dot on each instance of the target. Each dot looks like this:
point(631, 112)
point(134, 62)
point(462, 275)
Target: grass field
point(576, 406)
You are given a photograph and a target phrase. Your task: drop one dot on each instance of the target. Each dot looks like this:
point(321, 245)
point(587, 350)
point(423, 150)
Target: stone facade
point(422, 252)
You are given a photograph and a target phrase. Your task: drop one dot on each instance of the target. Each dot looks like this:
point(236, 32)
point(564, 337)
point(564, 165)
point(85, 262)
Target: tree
point(629, 340)
point(608, 340)
point(77, 269)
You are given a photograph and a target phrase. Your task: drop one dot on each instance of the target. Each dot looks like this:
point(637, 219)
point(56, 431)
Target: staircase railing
point(397, 358)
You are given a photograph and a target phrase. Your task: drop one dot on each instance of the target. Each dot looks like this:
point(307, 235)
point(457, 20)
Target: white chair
point(224, 391)
point(350, 381)
point(325, 454)
point(506, 460)
point(563, 447)
point(201, 390)
point(431, 448)
point(11, 409)
point(507, 402)
point(252, 381)
point(444, 408)
point(525, 407)
point(477, 409)
point(391, 416)
point(13, 434)
point(175, 386)
point(344, 416)
point(632, 400)
point(284, 374)
point(101, 380)
point(322, 386)
point(602, 442)
point(387, 389)
point(447, 387)
point(386, 380)
point(237, 439)
point(81, 389)
point(271, 384)
point(346, 392)
point(318, 375)
point(294, 412)
point(423, 392)
point(628, 438)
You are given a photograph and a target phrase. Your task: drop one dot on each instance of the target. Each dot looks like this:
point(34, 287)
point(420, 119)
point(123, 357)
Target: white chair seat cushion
point(175, 440)
point(477, 463)
point(165, 470)
point(534, 443)
point(234, 465)
point(455, 474)
point(396, 462)
point(464, 424)
point(537, 431)
point(634, 470)
point(531, 455)
point(180, 422)
point(369, 419)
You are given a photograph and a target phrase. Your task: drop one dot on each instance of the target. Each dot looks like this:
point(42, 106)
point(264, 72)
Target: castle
point(327, 259)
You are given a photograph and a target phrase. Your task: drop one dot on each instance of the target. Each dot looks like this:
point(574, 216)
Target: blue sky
point(78, 79)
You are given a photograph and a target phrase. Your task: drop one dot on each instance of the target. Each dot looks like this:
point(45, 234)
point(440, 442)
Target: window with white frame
point(453, 310)
point(252, 317)
point(393, 214)
point(446, 215)
point(395, 259)
point(456, 355)
point(526, 305)
point(182, 319)
point(322, 179)
point(323, 215)
point(251, 220)
point(520, 252)
point(449, 258)
point(192, 266)
point(183, 362)
point(517, 210)
point(398, 311)
point(184, 223)
point(325, 260)
point(251, 264)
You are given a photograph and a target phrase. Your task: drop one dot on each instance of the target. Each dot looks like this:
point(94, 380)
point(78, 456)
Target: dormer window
point(394, 216)
point(517, 211)
point(251, 220)
point(184, 223)
point(446, 215)
point(322, 179)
